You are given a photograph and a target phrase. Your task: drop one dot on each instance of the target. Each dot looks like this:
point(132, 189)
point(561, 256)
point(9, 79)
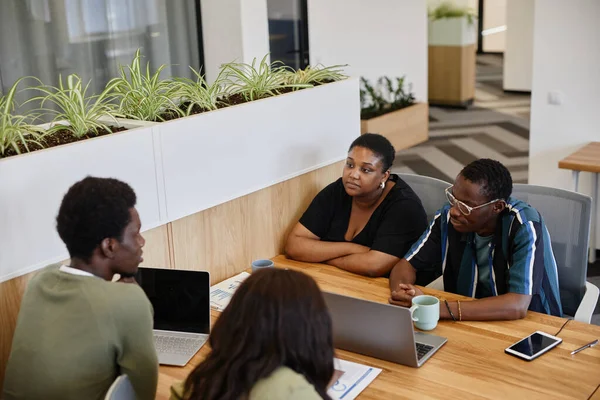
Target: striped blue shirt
point(520, 257)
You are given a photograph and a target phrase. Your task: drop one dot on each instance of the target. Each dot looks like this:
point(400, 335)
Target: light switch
point(555, 98)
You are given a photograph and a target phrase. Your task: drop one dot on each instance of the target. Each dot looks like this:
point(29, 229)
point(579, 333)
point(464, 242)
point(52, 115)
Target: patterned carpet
point(496, 126)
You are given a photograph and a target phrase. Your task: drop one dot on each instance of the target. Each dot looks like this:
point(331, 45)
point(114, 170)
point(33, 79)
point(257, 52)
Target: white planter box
point(32, 186)
point(177, 168)
point(215, 157)
point(452, 32)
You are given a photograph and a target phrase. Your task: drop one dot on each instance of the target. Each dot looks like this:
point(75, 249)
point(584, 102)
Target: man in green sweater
point(77, 331)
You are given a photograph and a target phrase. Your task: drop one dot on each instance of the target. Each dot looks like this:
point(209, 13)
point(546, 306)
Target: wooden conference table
point(586, 159)
point(471, 365)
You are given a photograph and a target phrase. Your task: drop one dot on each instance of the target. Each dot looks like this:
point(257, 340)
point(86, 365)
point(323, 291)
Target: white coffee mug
point(425, 312)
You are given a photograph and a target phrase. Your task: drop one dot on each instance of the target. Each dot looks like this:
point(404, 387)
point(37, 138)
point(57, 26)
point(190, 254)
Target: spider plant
point(198, 93)
point(255, 82)
point(315, 76)
point(82, 112)
point(15, 130)
point(449, 10)
point(142, 95)
point(386, 96)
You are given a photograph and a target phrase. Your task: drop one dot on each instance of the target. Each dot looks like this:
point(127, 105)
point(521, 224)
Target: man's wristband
point(450, 311)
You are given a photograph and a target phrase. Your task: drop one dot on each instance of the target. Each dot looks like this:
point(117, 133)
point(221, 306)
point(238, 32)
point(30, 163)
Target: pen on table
point(590, 344)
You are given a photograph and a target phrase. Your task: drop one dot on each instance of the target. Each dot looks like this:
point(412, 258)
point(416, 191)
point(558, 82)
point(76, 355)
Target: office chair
point(121, 389)
point(430, 191)
point(567, 216)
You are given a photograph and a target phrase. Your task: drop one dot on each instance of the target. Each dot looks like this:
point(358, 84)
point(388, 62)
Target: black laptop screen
point(181, 299)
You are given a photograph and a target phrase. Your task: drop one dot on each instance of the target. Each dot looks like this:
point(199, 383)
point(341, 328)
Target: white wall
point(566, 59)
point(255, 29)
point(518, 55)
point(233, 30)
point(375, 37)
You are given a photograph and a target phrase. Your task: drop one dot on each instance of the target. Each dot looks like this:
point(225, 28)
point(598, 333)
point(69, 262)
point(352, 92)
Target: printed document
point(353, 380)
point(220, 294)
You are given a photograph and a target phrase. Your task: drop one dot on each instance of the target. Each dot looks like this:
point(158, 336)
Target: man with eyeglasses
point(487, 245)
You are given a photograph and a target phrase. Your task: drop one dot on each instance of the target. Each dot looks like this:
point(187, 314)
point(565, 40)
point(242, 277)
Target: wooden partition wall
point(222, 240)
point(225, 239)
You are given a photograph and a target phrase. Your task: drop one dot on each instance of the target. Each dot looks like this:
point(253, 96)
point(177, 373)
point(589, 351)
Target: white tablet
point(533, 345)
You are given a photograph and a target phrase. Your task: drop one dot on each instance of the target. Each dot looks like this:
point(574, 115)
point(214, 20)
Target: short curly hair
point(92, 210)
point(494, 178)
point(379, 145)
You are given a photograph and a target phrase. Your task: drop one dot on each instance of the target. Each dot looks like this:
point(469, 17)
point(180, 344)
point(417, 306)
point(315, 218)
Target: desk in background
point(472, 364)
point(586, 159)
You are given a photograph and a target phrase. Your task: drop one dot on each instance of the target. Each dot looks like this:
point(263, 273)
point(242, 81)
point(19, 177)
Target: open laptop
point(181, 302)
point(379, 330)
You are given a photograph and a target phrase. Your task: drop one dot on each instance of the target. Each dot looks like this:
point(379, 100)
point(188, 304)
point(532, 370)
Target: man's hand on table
point(404, 294)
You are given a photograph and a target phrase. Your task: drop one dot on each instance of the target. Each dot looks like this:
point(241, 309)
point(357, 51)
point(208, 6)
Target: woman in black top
point(365, 221)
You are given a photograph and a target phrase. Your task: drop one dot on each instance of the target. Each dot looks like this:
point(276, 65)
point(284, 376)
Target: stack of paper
point(354, 379)
point(220, 294)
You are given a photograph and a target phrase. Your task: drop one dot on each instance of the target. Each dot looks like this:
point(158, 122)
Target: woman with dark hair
point(273, 341)
point(364, 222)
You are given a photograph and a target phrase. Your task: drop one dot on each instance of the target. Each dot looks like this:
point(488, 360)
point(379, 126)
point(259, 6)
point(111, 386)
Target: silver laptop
point(181, 302)
point(379, 330)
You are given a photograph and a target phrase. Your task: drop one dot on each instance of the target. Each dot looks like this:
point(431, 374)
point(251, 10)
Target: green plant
point(254, 82)
point(142, 96)
point(198, 93)
point(315, 76)
point(83, 113)
point(447, 9)
point(15, 130)
point(387, 96)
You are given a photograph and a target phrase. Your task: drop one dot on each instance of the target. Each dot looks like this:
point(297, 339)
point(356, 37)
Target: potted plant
point(179, 166)
point(249, 82)
point(76, 115)
point(42, 161)
point(315, 76)
point(452, 41)
point(17, 134)
point(264, 122)
point(197, 96)
point(144, 95)
point(388, 108)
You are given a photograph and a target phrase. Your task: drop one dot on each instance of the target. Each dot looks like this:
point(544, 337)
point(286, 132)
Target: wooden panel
point(585, 159)
point(156, 254)
point(451, 74)
point(225, 239)
point(403, 128)
point(156, 250)
point(11, 293)
point(471, 365)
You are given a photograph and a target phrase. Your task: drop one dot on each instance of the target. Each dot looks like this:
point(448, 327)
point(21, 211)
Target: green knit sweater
point(76, 334)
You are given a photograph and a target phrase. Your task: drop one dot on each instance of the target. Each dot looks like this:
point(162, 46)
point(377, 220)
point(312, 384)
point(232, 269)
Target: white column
point(566, 56)
point(518, 55)
point(375, 38)
point(233, 30)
